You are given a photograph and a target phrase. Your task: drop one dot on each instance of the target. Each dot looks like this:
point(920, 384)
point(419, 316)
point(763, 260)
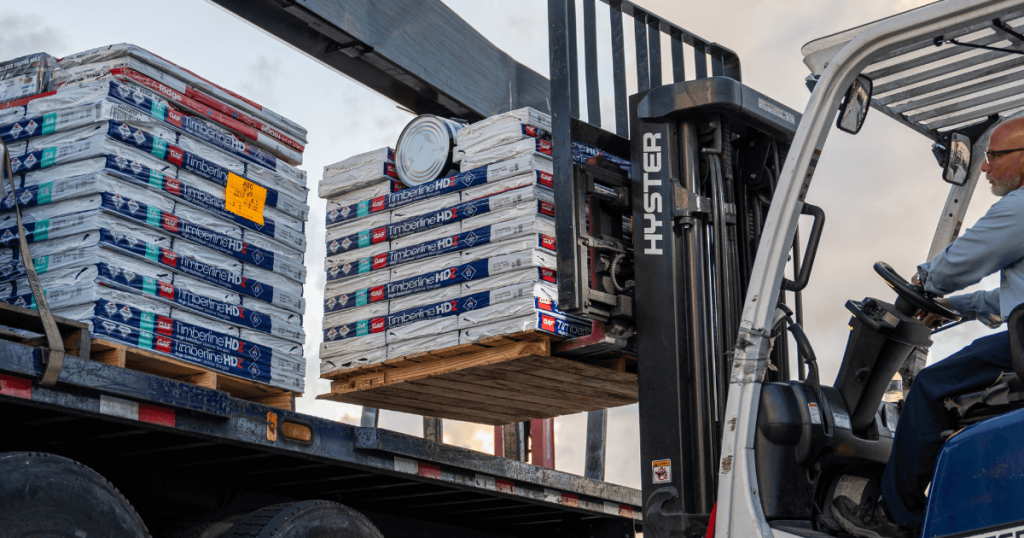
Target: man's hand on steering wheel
point(932, 320)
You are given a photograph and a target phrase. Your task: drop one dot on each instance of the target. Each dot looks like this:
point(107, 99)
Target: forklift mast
point(705, 157)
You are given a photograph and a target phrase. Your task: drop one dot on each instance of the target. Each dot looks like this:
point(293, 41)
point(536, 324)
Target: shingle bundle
point(451, 261)
point(162, 209)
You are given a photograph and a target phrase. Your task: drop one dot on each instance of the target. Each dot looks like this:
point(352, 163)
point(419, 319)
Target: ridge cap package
point(151, 105)
point(279, 143)
point(115, 51)
point(160, 208)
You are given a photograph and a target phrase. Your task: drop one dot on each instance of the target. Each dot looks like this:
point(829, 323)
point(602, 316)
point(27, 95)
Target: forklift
point(731, 443)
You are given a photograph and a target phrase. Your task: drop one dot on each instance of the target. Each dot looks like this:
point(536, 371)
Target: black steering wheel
point(914, 294)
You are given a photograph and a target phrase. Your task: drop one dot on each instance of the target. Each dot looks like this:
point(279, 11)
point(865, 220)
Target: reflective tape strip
point(16, 386)
point(152, 414)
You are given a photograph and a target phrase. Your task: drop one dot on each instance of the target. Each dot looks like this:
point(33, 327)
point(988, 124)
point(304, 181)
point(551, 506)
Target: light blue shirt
point(994, 243)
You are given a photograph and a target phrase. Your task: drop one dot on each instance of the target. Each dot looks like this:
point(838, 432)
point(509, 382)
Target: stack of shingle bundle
point(451, 261)
point(165, 211)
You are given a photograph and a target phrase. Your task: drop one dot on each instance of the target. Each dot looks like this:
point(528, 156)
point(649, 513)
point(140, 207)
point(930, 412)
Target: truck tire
point(47, 495)
point(304, 519)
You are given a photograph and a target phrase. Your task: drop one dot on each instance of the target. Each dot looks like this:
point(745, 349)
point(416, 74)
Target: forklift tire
point(47, 495)
point(305, 519)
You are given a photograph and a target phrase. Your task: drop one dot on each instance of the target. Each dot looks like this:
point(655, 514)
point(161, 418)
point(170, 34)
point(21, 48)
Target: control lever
point(803, 346)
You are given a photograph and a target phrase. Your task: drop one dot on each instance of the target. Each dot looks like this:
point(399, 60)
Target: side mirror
point(958, 159)
point(855, 105)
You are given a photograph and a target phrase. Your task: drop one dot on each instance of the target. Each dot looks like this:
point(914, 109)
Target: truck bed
point(175, 449)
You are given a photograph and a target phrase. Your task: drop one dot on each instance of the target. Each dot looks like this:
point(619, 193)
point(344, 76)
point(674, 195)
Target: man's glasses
point(991, 155)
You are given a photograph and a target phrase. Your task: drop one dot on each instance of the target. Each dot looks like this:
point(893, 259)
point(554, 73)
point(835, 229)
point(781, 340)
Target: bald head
point(1004, 163)
point(1008, 135)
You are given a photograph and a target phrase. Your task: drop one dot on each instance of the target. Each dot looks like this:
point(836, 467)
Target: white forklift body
point(922, 86)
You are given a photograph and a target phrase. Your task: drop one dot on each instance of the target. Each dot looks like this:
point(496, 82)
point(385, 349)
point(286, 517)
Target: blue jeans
point(924, 418)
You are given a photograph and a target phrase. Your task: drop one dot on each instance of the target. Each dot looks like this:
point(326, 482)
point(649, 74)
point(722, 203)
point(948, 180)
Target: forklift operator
point(995, 243)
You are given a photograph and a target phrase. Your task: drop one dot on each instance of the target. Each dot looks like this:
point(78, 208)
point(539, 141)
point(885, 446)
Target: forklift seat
point(1007, 393)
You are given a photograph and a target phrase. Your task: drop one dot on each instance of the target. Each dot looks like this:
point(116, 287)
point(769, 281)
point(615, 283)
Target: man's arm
point(994, 242)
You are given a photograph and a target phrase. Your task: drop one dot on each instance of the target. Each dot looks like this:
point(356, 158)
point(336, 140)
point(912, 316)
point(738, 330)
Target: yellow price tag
point(245, 198)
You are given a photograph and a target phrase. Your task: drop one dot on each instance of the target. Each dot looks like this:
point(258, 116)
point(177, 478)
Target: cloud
point(27, 34)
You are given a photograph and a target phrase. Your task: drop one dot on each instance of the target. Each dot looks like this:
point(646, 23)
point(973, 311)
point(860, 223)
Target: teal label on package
point(364, 238)
point(147, 321)
point(158, 110)
point(156, 179)
point(149, 285)
point(153, 216)
point(145, 340)
point(361, 296)
point(49, 157)
point(363, 208)
point(45, 191)
point(42, 230)
point(41, 263)
point(362, 328)
point(159, 147)
point(49, 123)
point(153, 252)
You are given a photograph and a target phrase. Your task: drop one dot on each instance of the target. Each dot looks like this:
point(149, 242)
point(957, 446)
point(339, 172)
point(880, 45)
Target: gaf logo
point(376, 325)
point(547, 242)
point(171, 223)
point(547, 323)
point(163, 344)
point(544, 147)
point(172, 186)
point(166, 290)
point(169, 257)
point(380, 234)
point(545, 179)
point(175, 154)
point(390, 170)
point(380, 261)
point(547, 208)
point(377, 204)
point(544, 304)
point(376, 294)
point(547, 274)
point(164, 325)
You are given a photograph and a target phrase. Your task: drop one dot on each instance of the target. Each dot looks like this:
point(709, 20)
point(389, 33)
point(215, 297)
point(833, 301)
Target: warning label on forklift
point(812, 409)
point(661, 471)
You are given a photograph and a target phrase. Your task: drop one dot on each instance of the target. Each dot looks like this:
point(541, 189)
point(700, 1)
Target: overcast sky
point(881, 190)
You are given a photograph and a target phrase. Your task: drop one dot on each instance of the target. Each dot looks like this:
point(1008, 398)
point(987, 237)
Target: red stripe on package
point(211, 108)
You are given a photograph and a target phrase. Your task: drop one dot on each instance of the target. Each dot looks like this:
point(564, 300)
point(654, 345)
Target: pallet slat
point(498, 380)
point(141, 360)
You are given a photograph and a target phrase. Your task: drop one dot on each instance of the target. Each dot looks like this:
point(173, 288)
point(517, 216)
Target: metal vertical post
point(643, 73)
point(433, 429)
point(590, 61)
point(678, 64)
point(370, 418)
point(703, 437)
point(597, 441)
point(619, 71)
point(654, 50)
point(514, 441)
point(542, 442)
point(700, 59)
point(663, 376)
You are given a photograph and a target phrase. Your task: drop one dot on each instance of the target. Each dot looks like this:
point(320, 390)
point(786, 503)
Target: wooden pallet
point(498, 380)
point(142, 360)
